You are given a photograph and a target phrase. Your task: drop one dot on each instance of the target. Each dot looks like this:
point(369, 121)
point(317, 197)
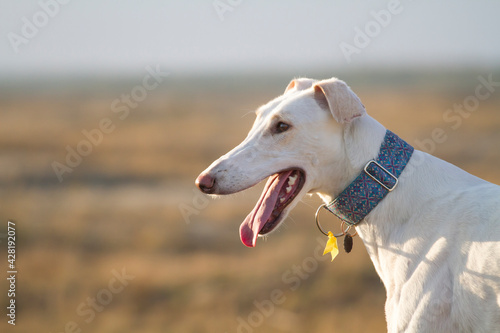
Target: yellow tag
point(331, 245)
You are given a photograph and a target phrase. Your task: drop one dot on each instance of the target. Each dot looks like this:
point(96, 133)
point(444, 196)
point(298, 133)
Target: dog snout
point(206, 183)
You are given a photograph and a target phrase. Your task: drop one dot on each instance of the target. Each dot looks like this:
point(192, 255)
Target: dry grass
point(120, 208)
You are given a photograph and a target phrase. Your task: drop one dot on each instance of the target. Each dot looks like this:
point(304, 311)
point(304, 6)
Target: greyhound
point(433, 233)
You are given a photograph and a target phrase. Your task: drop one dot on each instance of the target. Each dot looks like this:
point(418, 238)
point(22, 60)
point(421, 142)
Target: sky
point(214, 36)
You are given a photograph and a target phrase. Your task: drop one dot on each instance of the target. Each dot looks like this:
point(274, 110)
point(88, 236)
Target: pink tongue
point(249, 229)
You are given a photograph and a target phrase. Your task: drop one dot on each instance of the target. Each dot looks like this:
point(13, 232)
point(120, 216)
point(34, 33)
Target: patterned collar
point(378, 178)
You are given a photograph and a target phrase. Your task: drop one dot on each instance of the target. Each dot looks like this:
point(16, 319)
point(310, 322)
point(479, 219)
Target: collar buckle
point(372, 169)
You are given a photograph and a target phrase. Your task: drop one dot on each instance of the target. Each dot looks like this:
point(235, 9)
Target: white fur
point(434, 240)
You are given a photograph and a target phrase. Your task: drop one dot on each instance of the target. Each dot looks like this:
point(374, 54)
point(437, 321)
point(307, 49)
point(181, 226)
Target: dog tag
point(331, 245)
point(347, 243)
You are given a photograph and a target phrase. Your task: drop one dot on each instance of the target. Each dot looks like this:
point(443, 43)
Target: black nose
point(206, 183)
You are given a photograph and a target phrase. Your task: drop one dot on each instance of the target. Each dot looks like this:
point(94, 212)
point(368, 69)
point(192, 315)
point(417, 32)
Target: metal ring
point(348, 228)
point(319, 226)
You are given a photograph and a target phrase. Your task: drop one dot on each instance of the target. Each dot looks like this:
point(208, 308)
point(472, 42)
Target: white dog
point(434, 235)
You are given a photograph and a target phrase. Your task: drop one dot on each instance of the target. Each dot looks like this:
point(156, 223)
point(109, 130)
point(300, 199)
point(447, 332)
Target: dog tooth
point(282, 200)
point(292, 181)
point(288, 189)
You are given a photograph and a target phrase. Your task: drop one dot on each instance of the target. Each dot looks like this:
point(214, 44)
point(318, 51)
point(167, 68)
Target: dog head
point(297, 141)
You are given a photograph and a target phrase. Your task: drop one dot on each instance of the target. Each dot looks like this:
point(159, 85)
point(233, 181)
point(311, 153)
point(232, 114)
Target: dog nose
point(205, 183)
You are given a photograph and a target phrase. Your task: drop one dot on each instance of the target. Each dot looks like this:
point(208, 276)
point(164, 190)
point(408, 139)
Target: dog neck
point(378, 178)
point(362, 141)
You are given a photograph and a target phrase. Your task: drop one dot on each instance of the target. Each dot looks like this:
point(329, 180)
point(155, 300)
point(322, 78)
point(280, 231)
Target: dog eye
point(282, 127)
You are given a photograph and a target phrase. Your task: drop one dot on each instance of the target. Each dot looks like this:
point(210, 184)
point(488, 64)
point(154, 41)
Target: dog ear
point(300, 84)
point(335, 95)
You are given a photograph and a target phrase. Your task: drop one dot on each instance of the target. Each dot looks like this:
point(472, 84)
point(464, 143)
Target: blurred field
point(121, 207)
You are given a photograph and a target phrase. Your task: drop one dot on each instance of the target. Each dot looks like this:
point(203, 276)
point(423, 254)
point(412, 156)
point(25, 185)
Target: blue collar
point(378, 178)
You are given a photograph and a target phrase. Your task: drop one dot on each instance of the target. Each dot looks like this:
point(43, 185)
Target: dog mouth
point(279, 192)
